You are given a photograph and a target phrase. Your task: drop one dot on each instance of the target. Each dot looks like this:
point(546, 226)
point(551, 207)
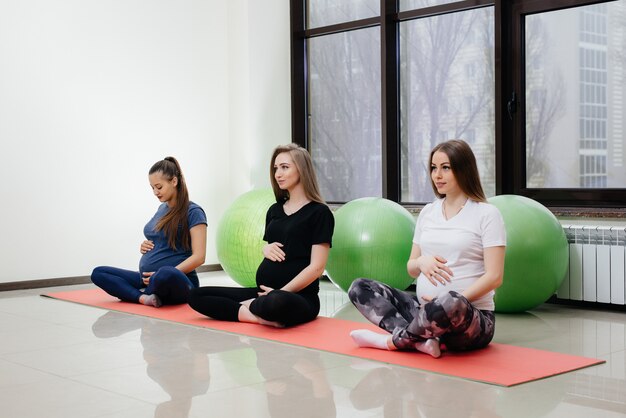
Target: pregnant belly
point(425, 288)
point(278, 274)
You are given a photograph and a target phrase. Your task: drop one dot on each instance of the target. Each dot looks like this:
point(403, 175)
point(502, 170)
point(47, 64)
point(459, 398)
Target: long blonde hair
point(302, 160)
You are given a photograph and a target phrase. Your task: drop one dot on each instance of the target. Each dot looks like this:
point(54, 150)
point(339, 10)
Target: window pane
point(575, 62)
point(344, 106)
point(330, 12)
point(419, 4)
point(446, 92)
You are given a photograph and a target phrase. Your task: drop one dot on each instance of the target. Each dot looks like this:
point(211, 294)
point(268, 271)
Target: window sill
point(589, 213)
point(559, 212)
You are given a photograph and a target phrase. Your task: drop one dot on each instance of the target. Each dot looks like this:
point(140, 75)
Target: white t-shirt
point(461, 241)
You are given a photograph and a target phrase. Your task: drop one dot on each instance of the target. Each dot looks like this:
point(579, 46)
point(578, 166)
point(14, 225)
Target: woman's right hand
point(146, 246)
point(274, 252)
point(435, 269)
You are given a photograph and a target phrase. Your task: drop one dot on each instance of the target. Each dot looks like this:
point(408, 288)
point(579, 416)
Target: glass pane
point(575, 91)
point(330, 12)
point(344, 106)
point(419, 4)
point(446, 92)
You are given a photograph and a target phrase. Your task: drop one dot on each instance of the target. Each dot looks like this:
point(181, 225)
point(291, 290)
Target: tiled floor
point(59, 359)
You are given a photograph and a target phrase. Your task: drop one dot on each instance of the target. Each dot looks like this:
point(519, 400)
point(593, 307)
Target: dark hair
point(176, 217)
point(463, 165)
point(302, 160)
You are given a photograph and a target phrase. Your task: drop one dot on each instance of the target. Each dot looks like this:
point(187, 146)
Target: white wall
point(93, 92)
point(260, 88)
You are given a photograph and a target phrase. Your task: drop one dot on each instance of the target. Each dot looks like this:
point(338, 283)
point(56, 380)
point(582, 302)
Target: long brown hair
point(464, 167)
point(302, 160)
point(176, 216)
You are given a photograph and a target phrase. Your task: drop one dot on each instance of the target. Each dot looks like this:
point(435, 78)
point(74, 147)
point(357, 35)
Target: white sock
point(367, 338)
point(430, 346)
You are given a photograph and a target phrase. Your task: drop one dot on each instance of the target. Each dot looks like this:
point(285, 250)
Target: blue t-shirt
point(162, 254)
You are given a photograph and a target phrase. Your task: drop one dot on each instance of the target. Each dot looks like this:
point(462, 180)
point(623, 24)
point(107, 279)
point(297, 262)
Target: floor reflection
point(401, 393)
point(179, 365)
point(299, 378)
point(178, 360)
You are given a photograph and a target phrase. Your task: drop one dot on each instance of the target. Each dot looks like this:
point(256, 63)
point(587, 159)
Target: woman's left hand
point(146, 277)
point(265, 290)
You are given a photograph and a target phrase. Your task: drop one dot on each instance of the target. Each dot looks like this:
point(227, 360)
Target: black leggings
point(280, 306)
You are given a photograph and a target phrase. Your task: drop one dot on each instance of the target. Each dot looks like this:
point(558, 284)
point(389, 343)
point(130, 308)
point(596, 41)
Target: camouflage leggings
point(450, 317)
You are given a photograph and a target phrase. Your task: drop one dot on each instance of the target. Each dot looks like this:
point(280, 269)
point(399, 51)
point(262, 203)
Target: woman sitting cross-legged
point(298, 229)
point(174, 247)
point(458, 259)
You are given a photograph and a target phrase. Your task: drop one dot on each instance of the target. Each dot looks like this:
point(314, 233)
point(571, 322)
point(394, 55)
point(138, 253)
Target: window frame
point(565, 197)
point(510, 161)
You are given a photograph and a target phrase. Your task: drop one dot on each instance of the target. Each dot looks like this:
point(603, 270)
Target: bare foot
point(245, 315)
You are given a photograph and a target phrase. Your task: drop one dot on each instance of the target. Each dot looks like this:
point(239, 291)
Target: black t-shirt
point(312, 224)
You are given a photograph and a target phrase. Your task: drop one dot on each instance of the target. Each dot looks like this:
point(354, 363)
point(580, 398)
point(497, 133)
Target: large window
point(344, 103)
point(535, 87)
point(570, 130)
point(446, 91)
point(574, 97)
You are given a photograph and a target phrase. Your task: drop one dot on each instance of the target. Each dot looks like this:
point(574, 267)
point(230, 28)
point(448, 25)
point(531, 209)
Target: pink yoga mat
point(498, 364)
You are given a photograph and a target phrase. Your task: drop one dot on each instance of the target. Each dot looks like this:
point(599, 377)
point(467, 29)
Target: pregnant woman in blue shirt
point(174, 247)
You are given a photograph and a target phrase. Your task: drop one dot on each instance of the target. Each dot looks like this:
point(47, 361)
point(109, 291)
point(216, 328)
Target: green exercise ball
point(239, 239)
point(372, 239)
point(536, 257)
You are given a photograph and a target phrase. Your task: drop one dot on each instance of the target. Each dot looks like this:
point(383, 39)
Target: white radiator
point(597, 257)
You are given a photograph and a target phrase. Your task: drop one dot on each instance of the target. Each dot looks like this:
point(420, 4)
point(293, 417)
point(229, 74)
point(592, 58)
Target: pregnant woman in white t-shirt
point(458, 259)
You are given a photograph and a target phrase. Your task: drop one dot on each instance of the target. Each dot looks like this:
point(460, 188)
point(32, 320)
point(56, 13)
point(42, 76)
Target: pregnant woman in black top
point(298, 229)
